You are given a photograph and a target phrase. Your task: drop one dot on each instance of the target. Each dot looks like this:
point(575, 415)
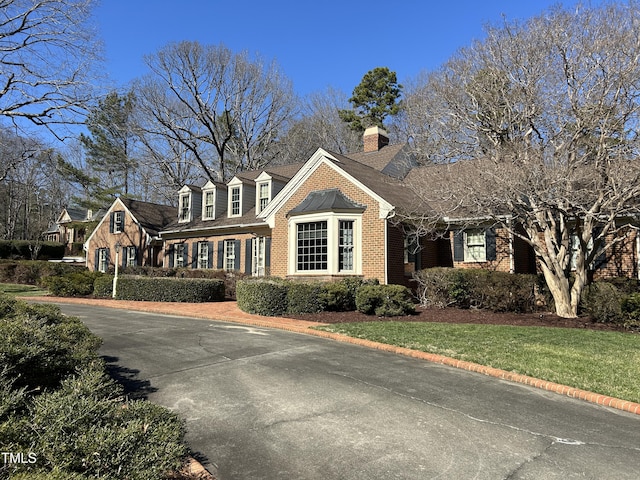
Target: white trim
point(205, 192)
point(333, 221)
point(230, 187)
point(320, 157)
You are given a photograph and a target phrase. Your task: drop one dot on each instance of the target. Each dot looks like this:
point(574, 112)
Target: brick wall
point(373, 248)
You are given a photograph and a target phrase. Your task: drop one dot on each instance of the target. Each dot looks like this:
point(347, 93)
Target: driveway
point(262, 403)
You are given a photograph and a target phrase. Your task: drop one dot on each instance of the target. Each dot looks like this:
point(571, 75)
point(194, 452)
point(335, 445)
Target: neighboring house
point(128, 231)
point(331, 216)
point(71, 228)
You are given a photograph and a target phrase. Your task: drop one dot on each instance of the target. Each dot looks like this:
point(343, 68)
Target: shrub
point(169, 289)
point(84, 428)
point(40, 346)
point(336, 297)
point(264, 296)
point(77, 284)
point(24, 249)
point(103, 286)
point(305, 298)
point(602, 301)
point(631, 311)
point(384, 300)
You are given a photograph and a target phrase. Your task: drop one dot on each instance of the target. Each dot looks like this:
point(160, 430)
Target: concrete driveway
point(269, 404)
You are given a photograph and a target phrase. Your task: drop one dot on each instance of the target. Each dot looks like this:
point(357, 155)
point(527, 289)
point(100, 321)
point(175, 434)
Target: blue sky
point(317, 44)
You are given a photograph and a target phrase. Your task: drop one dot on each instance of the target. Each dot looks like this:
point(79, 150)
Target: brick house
point(331, 216)
point(71, 228)
point(132, 227)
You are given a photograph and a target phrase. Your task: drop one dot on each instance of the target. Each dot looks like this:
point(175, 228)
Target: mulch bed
point(474, 316)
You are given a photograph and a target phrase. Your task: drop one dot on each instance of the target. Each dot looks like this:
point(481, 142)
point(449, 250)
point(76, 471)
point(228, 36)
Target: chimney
point(374, 139)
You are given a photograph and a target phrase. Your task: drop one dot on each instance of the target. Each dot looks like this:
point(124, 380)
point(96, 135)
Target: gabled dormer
point(214, 200)
point(267, 186)
point(241, 196)
point(189, 203)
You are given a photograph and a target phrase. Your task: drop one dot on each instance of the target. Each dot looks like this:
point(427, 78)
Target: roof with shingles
point(153, 217)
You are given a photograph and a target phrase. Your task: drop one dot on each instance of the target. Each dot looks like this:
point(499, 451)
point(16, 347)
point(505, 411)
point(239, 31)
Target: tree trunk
point(561, 293)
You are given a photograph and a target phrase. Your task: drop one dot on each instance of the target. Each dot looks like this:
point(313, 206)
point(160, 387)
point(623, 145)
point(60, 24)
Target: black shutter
point(458, 246)
point(171, 254)
point(137, 256)
point(490, 242)
point(96, 265)
point(111, 222)
point(220, 263)
point(194, 255)
point(248, 256)
point(236, 261)
point(209, 254)
point(185, 255)
point(123, 251)
point(267, 256)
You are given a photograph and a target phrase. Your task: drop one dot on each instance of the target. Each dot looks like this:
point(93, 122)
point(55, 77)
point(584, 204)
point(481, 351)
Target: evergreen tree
point(373, 100)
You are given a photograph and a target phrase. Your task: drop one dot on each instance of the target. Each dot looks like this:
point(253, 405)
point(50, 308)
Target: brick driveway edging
point(229, 311)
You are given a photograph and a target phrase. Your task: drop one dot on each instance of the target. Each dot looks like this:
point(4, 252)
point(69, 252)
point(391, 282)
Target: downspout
point(512, 268)
point(386, 246)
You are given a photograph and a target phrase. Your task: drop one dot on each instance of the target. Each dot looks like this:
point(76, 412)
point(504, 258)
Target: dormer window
point(209, 204)
point(235, 209)
point(185, 207)
point(263, 196)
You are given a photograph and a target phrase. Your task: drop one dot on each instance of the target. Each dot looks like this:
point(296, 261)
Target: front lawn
point(602, 362)
point(19, 290)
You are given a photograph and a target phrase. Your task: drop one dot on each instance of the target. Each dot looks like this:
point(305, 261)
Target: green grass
point(18, 290)
point(600, 362)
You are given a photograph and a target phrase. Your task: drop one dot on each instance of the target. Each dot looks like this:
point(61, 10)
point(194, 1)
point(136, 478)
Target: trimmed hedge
point(158, 289)
point(263, 296)
point(22, 249)
point(76, 284)
point(32, 272)
point(384, 300)
point(305, 297)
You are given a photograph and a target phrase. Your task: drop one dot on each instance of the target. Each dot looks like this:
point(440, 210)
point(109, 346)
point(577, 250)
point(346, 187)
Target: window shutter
point(108, 257)
point(209, 254)
point(137, 256)
point(194, 255)
point(123, 254)
point(248, 255)
point(490, 242)
point(220, 263)
point(172, 250)
point(601, 259)
point(111, 222)
point(236, 261)
point(185, 255)
point(458, 246)
point(96, 265)
point(267, 256)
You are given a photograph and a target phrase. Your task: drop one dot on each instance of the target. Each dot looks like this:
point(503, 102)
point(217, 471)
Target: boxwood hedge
point(264, 296)
point(159, 289)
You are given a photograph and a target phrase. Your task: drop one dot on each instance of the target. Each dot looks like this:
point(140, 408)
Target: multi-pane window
point(475, 249)
point(130, 253)
point(118, 222)
point(203, 255)
point(235, 201)
point(230, 255)
point(185, 210)
point(263, 196)
point(209, 204)
point(178, 259)
point(103, 259)
point(312, 246)
point(259, 255)
point(345, 245)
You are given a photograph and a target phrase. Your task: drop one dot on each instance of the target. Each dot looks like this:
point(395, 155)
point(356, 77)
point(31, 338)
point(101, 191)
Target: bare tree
point(226, 109)
point(539, 126)
point(319, 125)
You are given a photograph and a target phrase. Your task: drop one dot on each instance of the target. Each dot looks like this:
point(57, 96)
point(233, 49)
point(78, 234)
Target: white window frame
point(259, 252)
point(185, 211)
point(203, 255)
point(103, 260)
point(209, 204)
point(333, 250)
point(132, 261)
point(178, 255)
point(472, 243)
point(263, 198)
point(231, 201)
point(118, 221)
point(230, 255)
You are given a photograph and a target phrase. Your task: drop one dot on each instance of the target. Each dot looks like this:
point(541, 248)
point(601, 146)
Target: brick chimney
point(374, 139)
